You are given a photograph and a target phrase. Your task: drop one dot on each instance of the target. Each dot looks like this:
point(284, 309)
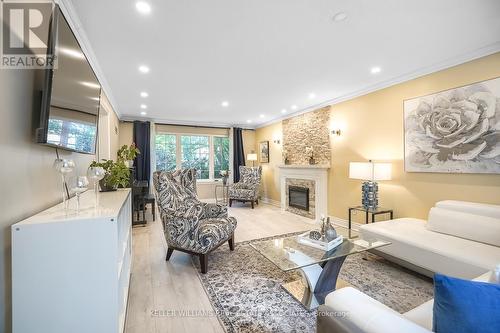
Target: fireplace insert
point(298, 197)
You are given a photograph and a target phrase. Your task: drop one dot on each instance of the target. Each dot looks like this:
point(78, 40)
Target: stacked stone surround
point(307, 130)
point(310, 184)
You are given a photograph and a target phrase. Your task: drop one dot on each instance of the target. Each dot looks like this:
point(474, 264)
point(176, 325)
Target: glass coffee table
point(319, 269)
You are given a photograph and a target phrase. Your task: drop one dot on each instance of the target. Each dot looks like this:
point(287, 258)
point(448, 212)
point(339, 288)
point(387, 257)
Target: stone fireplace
point(304, 189)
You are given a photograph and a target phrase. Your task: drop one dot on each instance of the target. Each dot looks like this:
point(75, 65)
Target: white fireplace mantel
point(304, 166)
point(316, 172)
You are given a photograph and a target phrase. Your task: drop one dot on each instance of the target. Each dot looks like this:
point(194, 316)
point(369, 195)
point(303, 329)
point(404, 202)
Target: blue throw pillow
point(462, 306)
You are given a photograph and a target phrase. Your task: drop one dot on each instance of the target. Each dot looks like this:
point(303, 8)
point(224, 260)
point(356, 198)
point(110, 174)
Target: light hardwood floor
point(174, 285)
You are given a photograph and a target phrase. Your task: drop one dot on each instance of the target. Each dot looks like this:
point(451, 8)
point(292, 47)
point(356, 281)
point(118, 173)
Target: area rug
point(245, 289)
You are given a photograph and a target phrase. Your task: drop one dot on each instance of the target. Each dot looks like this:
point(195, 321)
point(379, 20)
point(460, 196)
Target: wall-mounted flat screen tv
point(71, 94)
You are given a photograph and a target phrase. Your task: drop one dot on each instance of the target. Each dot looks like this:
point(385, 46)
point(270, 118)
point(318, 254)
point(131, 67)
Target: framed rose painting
point(454, 131)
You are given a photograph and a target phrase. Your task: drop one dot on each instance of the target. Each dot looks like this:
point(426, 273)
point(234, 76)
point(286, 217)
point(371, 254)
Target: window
point(206, 153)
point(196, 154)
point(166, 156)
point(221, 155)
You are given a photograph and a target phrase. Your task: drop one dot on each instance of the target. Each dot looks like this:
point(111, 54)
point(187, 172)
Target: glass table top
point(288, 254)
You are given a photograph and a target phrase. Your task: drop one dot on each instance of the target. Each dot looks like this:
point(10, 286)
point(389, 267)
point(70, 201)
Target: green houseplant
point(117, 174)
point(127, 154)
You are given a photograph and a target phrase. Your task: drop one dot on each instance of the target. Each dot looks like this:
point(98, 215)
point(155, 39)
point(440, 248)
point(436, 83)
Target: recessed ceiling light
point(143, 69)
point(144, 94)
point(294, 107)
point(283, 111)
point(91, 85)
point(143, 113)
point(375, 70)
point(72, 53)
point(312, 95)
point(144, 106)
point(249, 121)
point(225, 104)
point(261, 116)
point(339, 17)
point(143, 7)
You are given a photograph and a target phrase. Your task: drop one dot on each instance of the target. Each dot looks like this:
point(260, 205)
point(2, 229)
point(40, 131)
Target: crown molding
point(74, 22)
point(185, 123)
point(448, 63)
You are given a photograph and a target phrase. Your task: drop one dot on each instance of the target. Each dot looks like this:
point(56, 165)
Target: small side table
point(225, 194)
point(373, 212)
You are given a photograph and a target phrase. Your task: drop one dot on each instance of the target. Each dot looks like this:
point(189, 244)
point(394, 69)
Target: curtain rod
point(195, 126)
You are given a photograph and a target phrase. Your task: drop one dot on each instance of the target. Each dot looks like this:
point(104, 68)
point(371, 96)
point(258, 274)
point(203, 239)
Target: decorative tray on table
point(322, 243)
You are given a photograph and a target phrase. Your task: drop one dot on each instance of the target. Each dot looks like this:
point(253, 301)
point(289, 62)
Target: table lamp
point(252, 157)
point(370, 172)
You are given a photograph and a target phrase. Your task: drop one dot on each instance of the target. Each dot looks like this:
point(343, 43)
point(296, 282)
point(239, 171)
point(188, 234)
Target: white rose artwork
point(454, 131)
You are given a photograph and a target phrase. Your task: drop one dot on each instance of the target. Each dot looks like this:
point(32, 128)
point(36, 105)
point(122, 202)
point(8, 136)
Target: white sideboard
point(71, 271)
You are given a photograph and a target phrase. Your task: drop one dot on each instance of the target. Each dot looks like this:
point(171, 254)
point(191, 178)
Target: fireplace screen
point(298, 197)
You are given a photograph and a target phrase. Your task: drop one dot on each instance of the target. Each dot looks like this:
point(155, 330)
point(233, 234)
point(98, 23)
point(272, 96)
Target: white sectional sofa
point(460, 239)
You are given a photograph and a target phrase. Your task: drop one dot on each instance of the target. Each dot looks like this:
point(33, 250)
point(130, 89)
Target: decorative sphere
point(316, 235)
point(96, 173)
point(64, 166)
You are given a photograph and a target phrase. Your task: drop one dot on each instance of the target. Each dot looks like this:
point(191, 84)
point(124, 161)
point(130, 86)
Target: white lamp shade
point(370, 171)
point(252, 157)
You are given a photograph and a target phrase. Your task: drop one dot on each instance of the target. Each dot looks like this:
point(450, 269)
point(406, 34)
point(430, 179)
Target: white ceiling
point(263, 56)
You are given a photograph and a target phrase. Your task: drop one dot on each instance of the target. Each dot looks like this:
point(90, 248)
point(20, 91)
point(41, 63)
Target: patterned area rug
point(245, 289)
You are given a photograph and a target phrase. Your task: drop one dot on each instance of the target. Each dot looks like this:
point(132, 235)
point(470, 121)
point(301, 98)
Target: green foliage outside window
point(165, 148)
point(221, 155)
point(196, 154)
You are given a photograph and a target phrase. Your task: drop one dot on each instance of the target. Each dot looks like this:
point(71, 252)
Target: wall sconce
point(277, 139)
point(336, 132)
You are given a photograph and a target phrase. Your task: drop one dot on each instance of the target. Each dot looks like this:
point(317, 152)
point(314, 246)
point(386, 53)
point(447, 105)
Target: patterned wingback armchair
point(247, 189)
point(190, 225)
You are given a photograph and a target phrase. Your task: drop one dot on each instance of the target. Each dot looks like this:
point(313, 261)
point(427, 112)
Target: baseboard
point(271, 202)
point(344, 223)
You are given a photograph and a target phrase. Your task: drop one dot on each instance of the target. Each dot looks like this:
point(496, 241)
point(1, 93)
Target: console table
point(71, 270)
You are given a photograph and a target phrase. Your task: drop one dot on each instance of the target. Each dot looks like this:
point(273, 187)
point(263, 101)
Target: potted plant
point(116, 174)
point(127, 154)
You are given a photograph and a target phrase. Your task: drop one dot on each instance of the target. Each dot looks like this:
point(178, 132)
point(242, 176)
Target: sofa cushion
point(478, 228)
point(436, 252)
point(471, 208)
point(422, 314)
point(357, 312)
point(465, 306)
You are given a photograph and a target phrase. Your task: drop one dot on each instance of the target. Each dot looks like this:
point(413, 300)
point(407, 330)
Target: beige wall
point(248, 144)
point(373, 129)
point(108, 130)
point(125, 133)
point(191, 130)
point(29, 182)
point(270, 188)
point(114, 133)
